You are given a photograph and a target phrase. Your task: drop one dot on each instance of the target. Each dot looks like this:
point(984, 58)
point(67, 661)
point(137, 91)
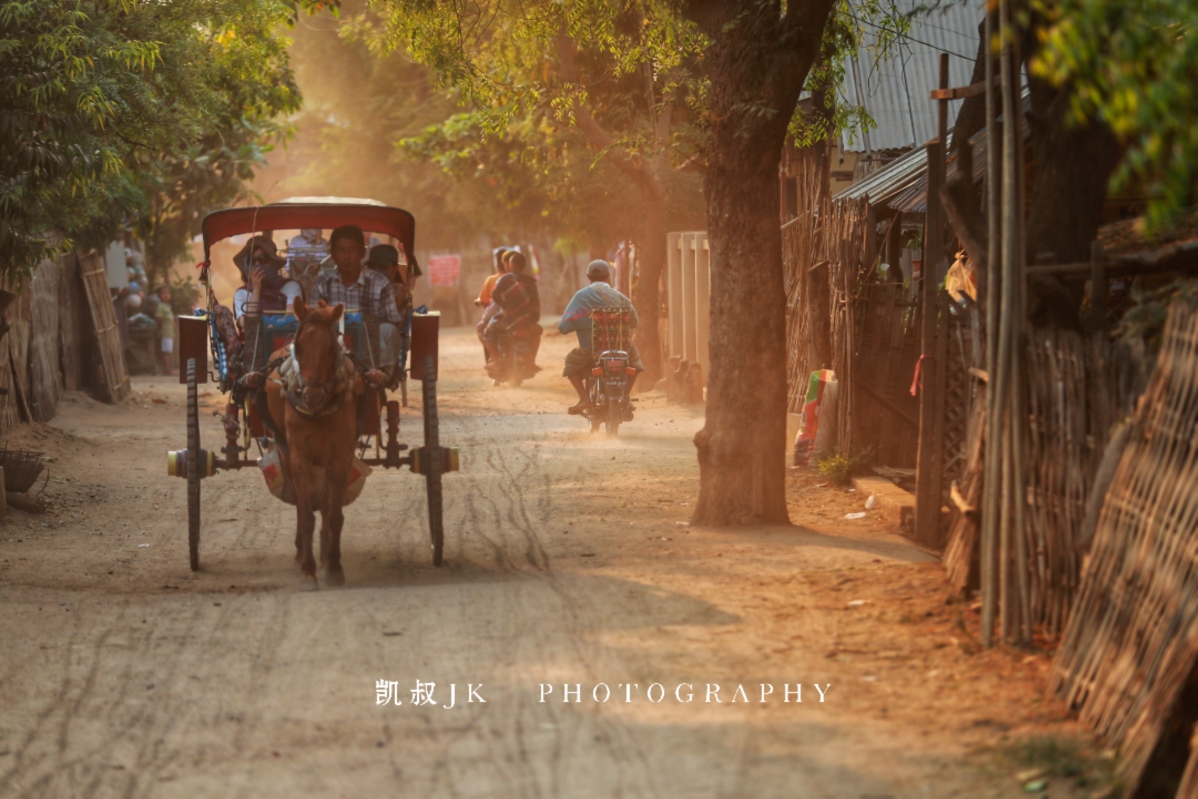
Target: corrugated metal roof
point(895, 90)
point(892, 178)
point(902, 184)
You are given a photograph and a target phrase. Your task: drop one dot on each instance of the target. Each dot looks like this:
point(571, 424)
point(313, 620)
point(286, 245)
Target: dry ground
point(124, 674)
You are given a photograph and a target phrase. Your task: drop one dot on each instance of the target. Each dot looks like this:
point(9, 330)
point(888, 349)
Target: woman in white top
point(265, 289)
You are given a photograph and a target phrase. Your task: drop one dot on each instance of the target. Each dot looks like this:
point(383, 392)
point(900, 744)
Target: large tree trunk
point(757, 63)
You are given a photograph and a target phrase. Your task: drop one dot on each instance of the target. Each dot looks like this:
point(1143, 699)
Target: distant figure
point(166, 329)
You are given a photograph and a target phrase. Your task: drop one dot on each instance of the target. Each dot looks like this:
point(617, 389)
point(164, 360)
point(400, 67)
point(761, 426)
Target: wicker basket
point(21, 469)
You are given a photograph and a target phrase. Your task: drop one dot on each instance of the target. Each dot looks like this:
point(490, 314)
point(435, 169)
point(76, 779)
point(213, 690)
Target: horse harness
point(336, 388)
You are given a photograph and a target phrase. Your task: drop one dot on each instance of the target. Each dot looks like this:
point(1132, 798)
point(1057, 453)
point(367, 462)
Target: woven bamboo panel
point(1062, 458)
point(800, 252)
point(1131, 641)
point(45, 386)
point(844, 248)
point(112, 355)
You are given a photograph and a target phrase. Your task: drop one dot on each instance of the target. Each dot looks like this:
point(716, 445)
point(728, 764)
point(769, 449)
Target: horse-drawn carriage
point(248, 356)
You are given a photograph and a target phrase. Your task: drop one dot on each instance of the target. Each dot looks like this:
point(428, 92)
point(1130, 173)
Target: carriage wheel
point(432, 446)
point(193, 466)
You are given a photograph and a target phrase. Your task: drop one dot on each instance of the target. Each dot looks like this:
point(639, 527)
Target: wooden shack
point(62, 336)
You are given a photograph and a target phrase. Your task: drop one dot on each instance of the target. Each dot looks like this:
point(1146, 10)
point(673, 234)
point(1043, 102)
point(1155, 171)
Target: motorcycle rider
point(484, 297)
point(577, 318)
point(515, 300)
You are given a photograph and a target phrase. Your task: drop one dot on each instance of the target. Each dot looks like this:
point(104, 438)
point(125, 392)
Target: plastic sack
point(814, 438)
point(960, 280)
point(271, 465)
point(358, 472)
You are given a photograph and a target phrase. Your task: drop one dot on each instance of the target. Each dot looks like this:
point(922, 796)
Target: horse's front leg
point(332, 518)
point(305, 526)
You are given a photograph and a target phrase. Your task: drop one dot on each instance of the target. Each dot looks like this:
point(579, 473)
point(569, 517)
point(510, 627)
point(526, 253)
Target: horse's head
point(318, 351)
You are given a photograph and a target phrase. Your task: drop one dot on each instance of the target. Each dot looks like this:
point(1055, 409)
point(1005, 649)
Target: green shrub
point(841, 469)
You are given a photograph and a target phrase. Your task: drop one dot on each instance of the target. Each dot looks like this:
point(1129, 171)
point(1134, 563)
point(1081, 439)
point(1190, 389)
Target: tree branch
point(631, 164)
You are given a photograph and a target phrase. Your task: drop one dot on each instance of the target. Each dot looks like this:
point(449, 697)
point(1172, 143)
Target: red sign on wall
point(444, 270)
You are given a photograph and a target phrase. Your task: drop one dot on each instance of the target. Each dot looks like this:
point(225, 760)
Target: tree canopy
point(557, 101)
point(1134, 66)
point(126, 112)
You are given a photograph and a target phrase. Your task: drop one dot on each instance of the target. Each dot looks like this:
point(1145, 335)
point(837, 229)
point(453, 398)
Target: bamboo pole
point(1004, 532)
point(1011, 324)
point(930, 458)
point(990, 472)
point(1014, 126)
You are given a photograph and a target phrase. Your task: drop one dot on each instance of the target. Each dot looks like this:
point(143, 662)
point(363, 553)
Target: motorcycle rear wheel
point(614, 416)
point(594, 415)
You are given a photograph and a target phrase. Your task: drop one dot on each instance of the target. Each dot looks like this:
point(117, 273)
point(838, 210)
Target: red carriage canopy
point(312, 212)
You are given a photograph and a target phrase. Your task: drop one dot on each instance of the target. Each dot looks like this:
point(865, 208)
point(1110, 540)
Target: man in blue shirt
point(577, 318)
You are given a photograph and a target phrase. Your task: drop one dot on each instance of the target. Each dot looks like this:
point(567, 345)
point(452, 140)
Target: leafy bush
point(841, 469)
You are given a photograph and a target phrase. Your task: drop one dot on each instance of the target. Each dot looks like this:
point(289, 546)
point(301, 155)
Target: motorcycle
point(517, 360)
point(607, 390)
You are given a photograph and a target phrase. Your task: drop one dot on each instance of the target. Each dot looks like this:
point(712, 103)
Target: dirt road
point(124, 674)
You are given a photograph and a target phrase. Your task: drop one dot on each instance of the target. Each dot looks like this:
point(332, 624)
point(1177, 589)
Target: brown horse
point(314, 394)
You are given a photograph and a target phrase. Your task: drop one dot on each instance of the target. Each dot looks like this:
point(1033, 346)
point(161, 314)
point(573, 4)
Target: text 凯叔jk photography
point(388, 692)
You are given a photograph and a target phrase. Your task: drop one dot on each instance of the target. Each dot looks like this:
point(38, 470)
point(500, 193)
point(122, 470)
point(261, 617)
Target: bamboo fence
point(845, 232)
point(1063, 456)
point(1069, 405)
point(801, 254)
point(828, 252)
point(1131, 643)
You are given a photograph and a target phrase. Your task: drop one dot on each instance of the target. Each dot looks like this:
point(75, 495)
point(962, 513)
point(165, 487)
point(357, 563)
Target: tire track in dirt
point(500, 452)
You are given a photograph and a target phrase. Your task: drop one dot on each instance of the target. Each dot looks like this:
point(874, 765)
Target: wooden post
point(702, 299)
point(690, 332)
point(936, 219)
point(933, 342)
point(673, 309)
point(927, 492)
point(3, 495)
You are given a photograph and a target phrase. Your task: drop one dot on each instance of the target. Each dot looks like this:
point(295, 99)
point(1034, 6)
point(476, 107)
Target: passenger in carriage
point(265, 288)
point(364, 290)
point(309, 238)
point(384, 259)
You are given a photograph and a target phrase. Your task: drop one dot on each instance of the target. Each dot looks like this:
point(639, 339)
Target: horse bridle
point(334, 387)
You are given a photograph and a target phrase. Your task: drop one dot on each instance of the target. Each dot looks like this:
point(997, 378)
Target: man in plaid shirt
point(358, 288)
